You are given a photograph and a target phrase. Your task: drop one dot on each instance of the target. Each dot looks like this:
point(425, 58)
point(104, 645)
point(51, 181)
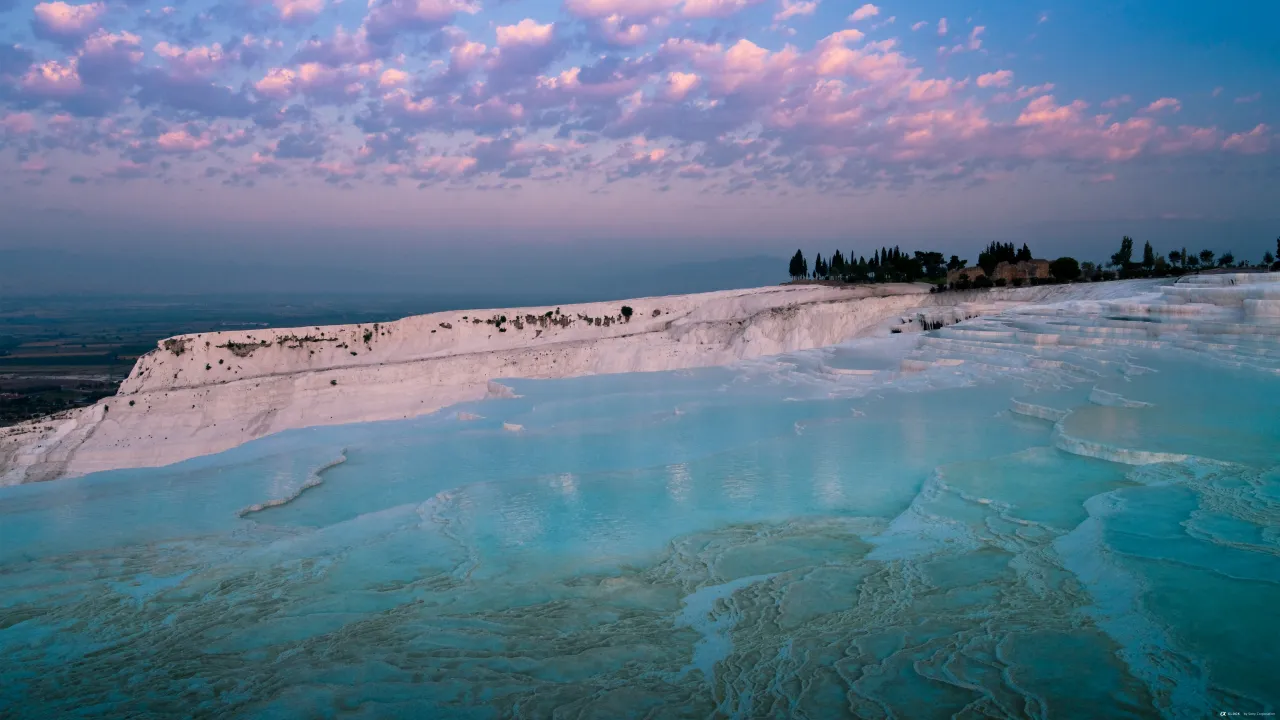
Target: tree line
point(892, 264)
point(888, 264)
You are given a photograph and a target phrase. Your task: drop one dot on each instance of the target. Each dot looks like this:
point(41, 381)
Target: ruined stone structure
point(1026, 271)
point(973, 273)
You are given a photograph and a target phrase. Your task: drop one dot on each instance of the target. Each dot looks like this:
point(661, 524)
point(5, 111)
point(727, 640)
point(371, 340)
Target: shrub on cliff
point(626, 312)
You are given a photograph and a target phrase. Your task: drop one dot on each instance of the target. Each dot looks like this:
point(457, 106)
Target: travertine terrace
point(200, 394)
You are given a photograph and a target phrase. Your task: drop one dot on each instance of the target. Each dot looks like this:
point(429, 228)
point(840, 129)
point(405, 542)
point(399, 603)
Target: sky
point(361, 134)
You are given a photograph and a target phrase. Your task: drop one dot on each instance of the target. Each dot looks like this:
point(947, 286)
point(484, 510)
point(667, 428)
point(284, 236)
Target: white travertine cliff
point(204, 393)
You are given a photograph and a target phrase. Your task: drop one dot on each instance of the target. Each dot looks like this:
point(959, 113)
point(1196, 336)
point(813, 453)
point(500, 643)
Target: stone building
point(1026, 271)
point(973, 273)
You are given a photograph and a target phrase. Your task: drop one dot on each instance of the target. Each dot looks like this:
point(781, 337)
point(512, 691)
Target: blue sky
point(704, 127)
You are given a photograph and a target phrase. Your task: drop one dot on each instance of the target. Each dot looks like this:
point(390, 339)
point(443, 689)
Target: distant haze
point(225, 258)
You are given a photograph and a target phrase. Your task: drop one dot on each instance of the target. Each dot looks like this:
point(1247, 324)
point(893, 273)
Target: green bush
point(1065, 269)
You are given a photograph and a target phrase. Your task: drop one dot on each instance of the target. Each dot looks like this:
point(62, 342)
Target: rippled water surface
point(1054, 513)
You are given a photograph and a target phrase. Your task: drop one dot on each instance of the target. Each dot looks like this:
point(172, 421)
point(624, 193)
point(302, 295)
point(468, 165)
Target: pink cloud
point(1103, 178)
point(1249, 98)
point(679, 84)
point(866, 11)
point(1044, 111)
point(975, 39)
point(18, 123)
point(919, 26)
point(942, 26)
point(1023, 93)
point(391, 78)
point(102, 45)
point(874, 62)
point(840, 112)
point(715, 8)
point(61, 20)
point(1000, 78)
point(52, 79)
point(1256, 141)
point(1117, 101)
point(299, 11)
point(386, 18)
point(314, 79)
point(1165, 103)
point(34, 166)
point(795, 8)
point(525, 32)
point(181, 141)
point(617, 30)
point(932, 89)
point(196, 62)
point(1186, 139)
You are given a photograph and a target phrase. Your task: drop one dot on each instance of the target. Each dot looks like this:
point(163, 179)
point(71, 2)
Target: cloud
point(795, 8)
point(343, 48)
point(525, 32)
point(392, 78)
point(624, 91)
point(919, 26)
point(1023, 93)
point(715, 8)
point(316, 80)
point(181, 141)
point(866, 11)
point(18, 123)
point(1249, 98)
point(128, 171)
point(999, 78)
point(388, 18)
point(65, 23)
point(1117, 101)
point(299, 146)
point(196, 62)
point(196, 95)
point(975, 39)
point(679, 84)
point(1165, 103)
point(1044, 111)
point(52, 79)
point(1256, 141)
point(299, 11)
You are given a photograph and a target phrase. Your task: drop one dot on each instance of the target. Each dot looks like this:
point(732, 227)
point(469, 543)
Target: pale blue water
point(785, 538)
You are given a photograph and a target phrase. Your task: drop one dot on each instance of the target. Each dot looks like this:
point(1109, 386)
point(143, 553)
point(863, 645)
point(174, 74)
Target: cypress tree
point(798, 267)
